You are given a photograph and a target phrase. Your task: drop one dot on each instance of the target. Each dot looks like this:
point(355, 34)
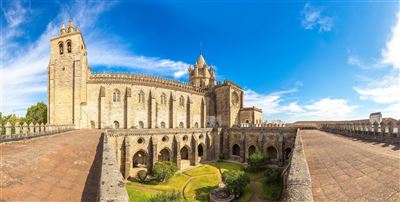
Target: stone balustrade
point(388, 130)
point(261, 125)
point(20, 131)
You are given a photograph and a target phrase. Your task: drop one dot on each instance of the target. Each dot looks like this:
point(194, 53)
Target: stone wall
point(239, 143)
point(139, 149)
point(111, 187)
point(298, 182)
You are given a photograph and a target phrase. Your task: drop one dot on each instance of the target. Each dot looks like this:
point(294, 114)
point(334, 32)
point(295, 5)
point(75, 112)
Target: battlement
point(227, 82)
point(143, 79)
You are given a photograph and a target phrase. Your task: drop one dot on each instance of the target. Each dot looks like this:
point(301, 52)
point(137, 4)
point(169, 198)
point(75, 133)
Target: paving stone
point(345, 170)
point(48, 169)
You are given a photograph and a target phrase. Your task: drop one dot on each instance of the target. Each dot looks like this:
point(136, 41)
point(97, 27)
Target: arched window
point(181, 125)
point(182, 101)
point(61, 47)
point(69, 48)
point(200, 150)
point(236, 150)
point(141, 125)
point(252, 150)
point(141, 97)
point(116, 124)
point(272, 153)
point(162, 124)
point(116, 95)
point(196, 125)
point(163, 99)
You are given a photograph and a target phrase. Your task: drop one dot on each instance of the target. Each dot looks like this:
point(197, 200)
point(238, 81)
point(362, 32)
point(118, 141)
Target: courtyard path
point(63, 167)
point(343, 169)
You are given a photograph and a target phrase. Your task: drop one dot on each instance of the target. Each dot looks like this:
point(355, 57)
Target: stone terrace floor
point(345, 169)
point(62, 167)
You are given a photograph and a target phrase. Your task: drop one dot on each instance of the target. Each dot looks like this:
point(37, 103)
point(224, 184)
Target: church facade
point(150, 119)
point(90, 100)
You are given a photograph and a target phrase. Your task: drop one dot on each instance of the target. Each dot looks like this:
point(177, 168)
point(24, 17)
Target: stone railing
point(384, 132)
point(111, 186)
point(24, 131)
point(261, 125)
point(298, 180)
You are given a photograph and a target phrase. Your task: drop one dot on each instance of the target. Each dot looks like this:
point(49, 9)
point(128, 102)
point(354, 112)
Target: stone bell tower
point(67, 75)
point(201, 75)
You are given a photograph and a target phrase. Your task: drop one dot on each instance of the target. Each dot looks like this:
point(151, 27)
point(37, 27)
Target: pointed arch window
point(69, 46)
point(141, 97)
point(163, 99)
point(116, 95)
point(181, 101)
point(61, 48)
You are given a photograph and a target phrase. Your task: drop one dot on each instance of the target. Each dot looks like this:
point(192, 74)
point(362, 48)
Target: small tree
point(236, 181)
point(141, 175)
point(37, 113)
point(272, 176)
point(257, 159)
point(164, 170)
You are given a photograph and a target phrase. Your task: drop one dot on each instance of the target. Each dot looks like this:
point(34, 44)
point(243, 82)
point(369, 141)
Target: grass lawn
point(173, 184)
point(198, 188)
point(271, 192)
point(139, 196)
point(202, 170)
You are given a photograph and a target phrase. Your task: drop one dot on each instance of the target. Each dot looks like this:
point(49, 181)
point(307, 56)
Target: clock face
point(235, 98)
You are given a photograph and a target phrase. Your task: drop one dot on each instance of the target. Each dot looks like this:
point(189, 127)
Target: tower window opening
point(69, 48)
point(61, 47)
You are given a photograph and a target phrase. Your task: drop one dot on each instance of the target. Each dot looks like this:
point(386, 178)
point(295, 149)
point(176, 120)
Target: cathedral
point(150, 119)
point(85, 99)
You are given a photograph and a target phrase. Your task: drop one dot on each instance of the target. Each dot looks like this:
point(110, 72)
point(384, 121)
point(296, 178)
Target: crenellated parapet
point(146, 80)
point(20, 131)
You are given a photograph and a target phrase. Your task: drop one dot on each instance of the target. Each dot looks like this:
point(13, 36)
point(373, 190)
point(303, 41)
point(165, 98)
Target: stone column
point(128, 160)
point(25, 130)
point(42, 129)
point(17, 129)
point(243, 151)
point(8, 130)
point(37, 129)
point(195, 151)
point(178, 152)
point(154, 150)
point(31, 129)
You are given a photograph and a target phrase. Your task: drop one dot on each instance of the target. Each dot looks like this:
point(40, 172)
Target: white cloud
point(276, 105)
point(391, 53)
point(386, 89)
point(312, 18)
point(383, 91)
point(329, 109)
point(24, 65)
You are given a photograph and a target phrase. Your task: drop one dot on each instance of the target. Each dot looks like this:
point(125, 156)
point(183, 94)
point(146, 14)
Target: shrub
point(167, 197)
point(257, 159)
point(142, 175)
point(272, 176)
point(221, 156)
point(164, 170)
point(236, 181)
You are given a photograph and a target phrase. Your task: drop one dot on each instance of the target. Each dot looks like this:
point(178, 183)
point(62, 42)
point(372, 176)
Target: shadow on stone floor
point(90, 191)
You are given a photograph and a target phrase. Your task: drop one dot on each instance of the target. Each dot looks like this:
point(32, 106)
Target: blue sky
point(300, 60)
